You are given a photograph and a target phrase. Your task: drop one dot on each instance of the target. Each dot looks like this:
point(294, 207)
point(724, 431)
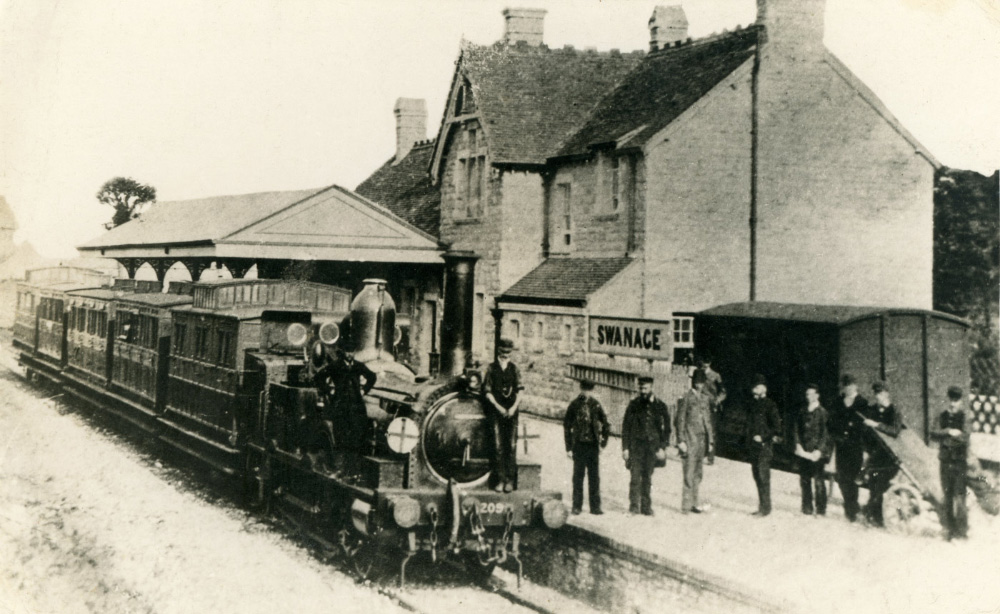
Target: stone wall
point(697, 195)
point(845, 201)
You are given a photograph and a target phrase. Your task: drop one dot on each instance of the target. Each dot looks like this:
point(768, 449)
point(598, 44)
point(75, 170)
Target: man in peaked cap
point(882, 416)
point(502, 387)
point(695, 438)
point(762, 432)
point(586, 432)
point(645, 435)
point(846, 428)
point(952, 431)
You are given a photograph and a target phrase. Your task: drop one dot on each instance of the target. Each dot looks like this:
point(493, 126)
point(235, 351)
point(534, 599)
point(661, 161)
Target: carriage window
point(91, 322)
point(102, 323)
point(180, 332)
point(201, 342)
point(224, 347)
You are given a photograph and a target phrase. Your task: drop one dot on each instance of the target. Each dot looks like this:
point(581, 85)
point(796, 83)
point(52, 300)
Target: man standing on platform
point(813, 446)
point(951, 429)
point(883, 417)
point(502, 386)
point(695, 438)
point(716, 390)
point(846, 429)
point(586, 430)
point(645, 435)
point(763, 431)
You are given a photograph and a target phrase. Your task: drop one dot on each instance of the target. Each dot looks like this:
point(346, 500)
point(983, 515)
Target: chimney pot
point(524, 25)
point(411, 125)
point(667, 25)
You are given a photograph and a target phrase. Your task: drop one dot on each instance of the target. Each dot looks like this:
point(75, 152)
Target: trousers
point(953, 477)
point(505, 447)
point(810, 479)
point(586, 459)
point(878, 483)
point(760, 464)
point(641, 462)
point(693, 462)
point(849, 460)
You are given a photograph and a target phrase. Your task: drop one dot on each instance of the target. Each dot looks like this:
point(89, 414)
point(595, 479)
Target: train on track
point(219, 371)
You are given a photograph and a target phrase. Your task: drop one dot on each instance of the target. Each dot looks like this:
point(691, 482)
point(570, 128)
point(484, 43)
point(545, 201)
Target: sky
point(208, 97)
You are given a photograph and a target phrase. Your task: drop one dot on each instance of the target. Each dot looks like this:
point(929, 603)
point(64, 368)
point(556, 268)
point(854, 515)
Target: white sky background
point(207, 97)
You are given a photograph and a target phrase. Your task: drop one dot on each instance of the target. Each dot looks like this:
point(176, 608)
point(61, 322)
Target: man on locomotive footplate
point(883, 417)
point(845, 422)
point(645, 435)
point(346, 407)
point(501, 386)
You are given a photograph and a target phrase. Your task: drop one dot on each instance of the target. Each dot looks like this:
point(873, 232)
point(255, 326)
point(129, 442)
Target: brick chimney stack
point(668, 24)
point(526, 25)
point(411, 124)
point(793, 26)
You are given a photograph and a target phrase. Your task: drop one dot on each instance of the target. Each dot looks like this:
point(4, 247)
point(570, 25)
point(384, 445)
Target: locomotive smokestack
point(456, 328)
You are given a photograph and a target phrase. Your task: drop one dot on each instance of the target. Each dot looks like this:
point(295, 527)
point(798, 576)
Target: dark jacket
point(503, 384)
point(763, 419)
point(345, 380)
point(952, 449)
point(585, 423)
point(646, 423)
point(811, 431)
point(845, 425)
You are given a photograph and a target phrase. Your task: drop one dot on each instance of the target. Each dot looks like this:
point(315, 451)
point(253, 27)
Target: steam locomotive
point(220, 372)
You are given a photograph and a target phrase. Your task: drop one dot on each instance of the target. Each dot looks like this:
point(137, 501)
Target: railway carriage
point(208, 397)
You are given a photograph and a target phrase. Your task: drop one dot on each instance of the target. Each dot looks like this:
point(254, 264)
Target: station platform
point(805, 563)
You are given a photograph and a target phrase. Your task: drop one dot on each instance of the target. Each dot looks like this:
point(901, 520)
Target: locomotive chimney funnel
point(456, 327)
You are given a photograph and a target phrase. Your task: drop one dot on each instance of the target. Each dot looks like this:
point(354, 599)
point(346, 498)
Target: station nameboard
point(650, 339)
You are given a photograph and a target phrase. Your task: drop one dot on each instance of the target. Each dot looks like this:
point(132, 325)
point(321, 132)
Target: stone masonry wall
point(697, 193)
point(845, 201)
point(597, 228)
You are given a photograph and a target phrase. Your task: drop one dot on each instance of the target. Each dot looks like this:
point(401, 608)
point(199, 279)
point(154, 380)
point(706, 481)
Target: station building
point(604, 195)
point(748, 165)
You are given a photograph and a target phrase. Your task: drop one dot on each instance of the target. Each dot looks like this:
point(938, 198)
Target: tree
point(127, 196)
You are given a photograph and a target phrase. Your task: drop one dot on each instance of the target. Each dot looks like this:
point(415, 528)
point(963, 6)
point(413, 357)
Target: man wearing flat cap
point(847, 429)
point(502, 387)
point(695, 438)
point(952, 432)
point(586, 431)
point(645, 435)
point(883, 417)
point(763, 430)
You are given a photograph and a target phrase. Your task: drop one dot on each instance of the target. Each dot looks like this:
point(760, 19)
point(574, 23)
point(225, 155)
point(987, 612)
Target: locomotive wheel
point(903, 508)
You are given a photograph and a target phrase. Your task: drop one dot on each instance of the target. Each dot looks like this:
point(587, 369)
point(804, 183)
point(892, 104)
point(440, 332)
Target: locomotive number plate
point(492, 508)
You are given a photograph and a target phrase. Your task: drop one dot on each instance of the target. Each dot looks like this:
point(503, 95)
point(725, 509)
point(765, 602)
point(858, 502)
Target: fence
point(617, 381)
point(985, 414)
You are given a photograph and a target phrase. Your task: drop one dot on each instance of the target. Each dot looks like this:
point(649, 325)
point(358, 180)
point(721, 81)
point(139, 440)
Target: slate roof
point(569, 280)
point(820, 314)
point(406, 188)
point(660, 89)
point(203, 219)
point(532, 97)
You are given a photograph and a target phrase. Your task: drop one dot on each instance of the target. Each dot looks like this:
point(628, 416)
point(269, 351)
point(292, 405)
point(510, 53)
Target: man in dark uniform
point(645, 435)
point(346, 406)
point(883, 417)
point(763, 431)
point(586, 431)
point(813, 447)
point(951, 430)
point(695, 438)
point(502, 385)
point(848, 434)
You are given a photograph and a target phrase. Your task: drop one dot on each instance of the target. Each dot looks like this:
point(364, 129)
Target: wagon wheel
point(903, 508)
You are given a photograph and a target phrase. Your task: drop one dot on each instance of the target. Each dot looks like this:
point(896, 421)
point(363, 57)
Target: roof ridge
point(740, 30)
point(544, 48)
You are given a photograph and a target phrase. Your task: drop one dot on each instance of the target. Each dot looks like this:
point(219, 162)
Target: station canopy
point(328, 224)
